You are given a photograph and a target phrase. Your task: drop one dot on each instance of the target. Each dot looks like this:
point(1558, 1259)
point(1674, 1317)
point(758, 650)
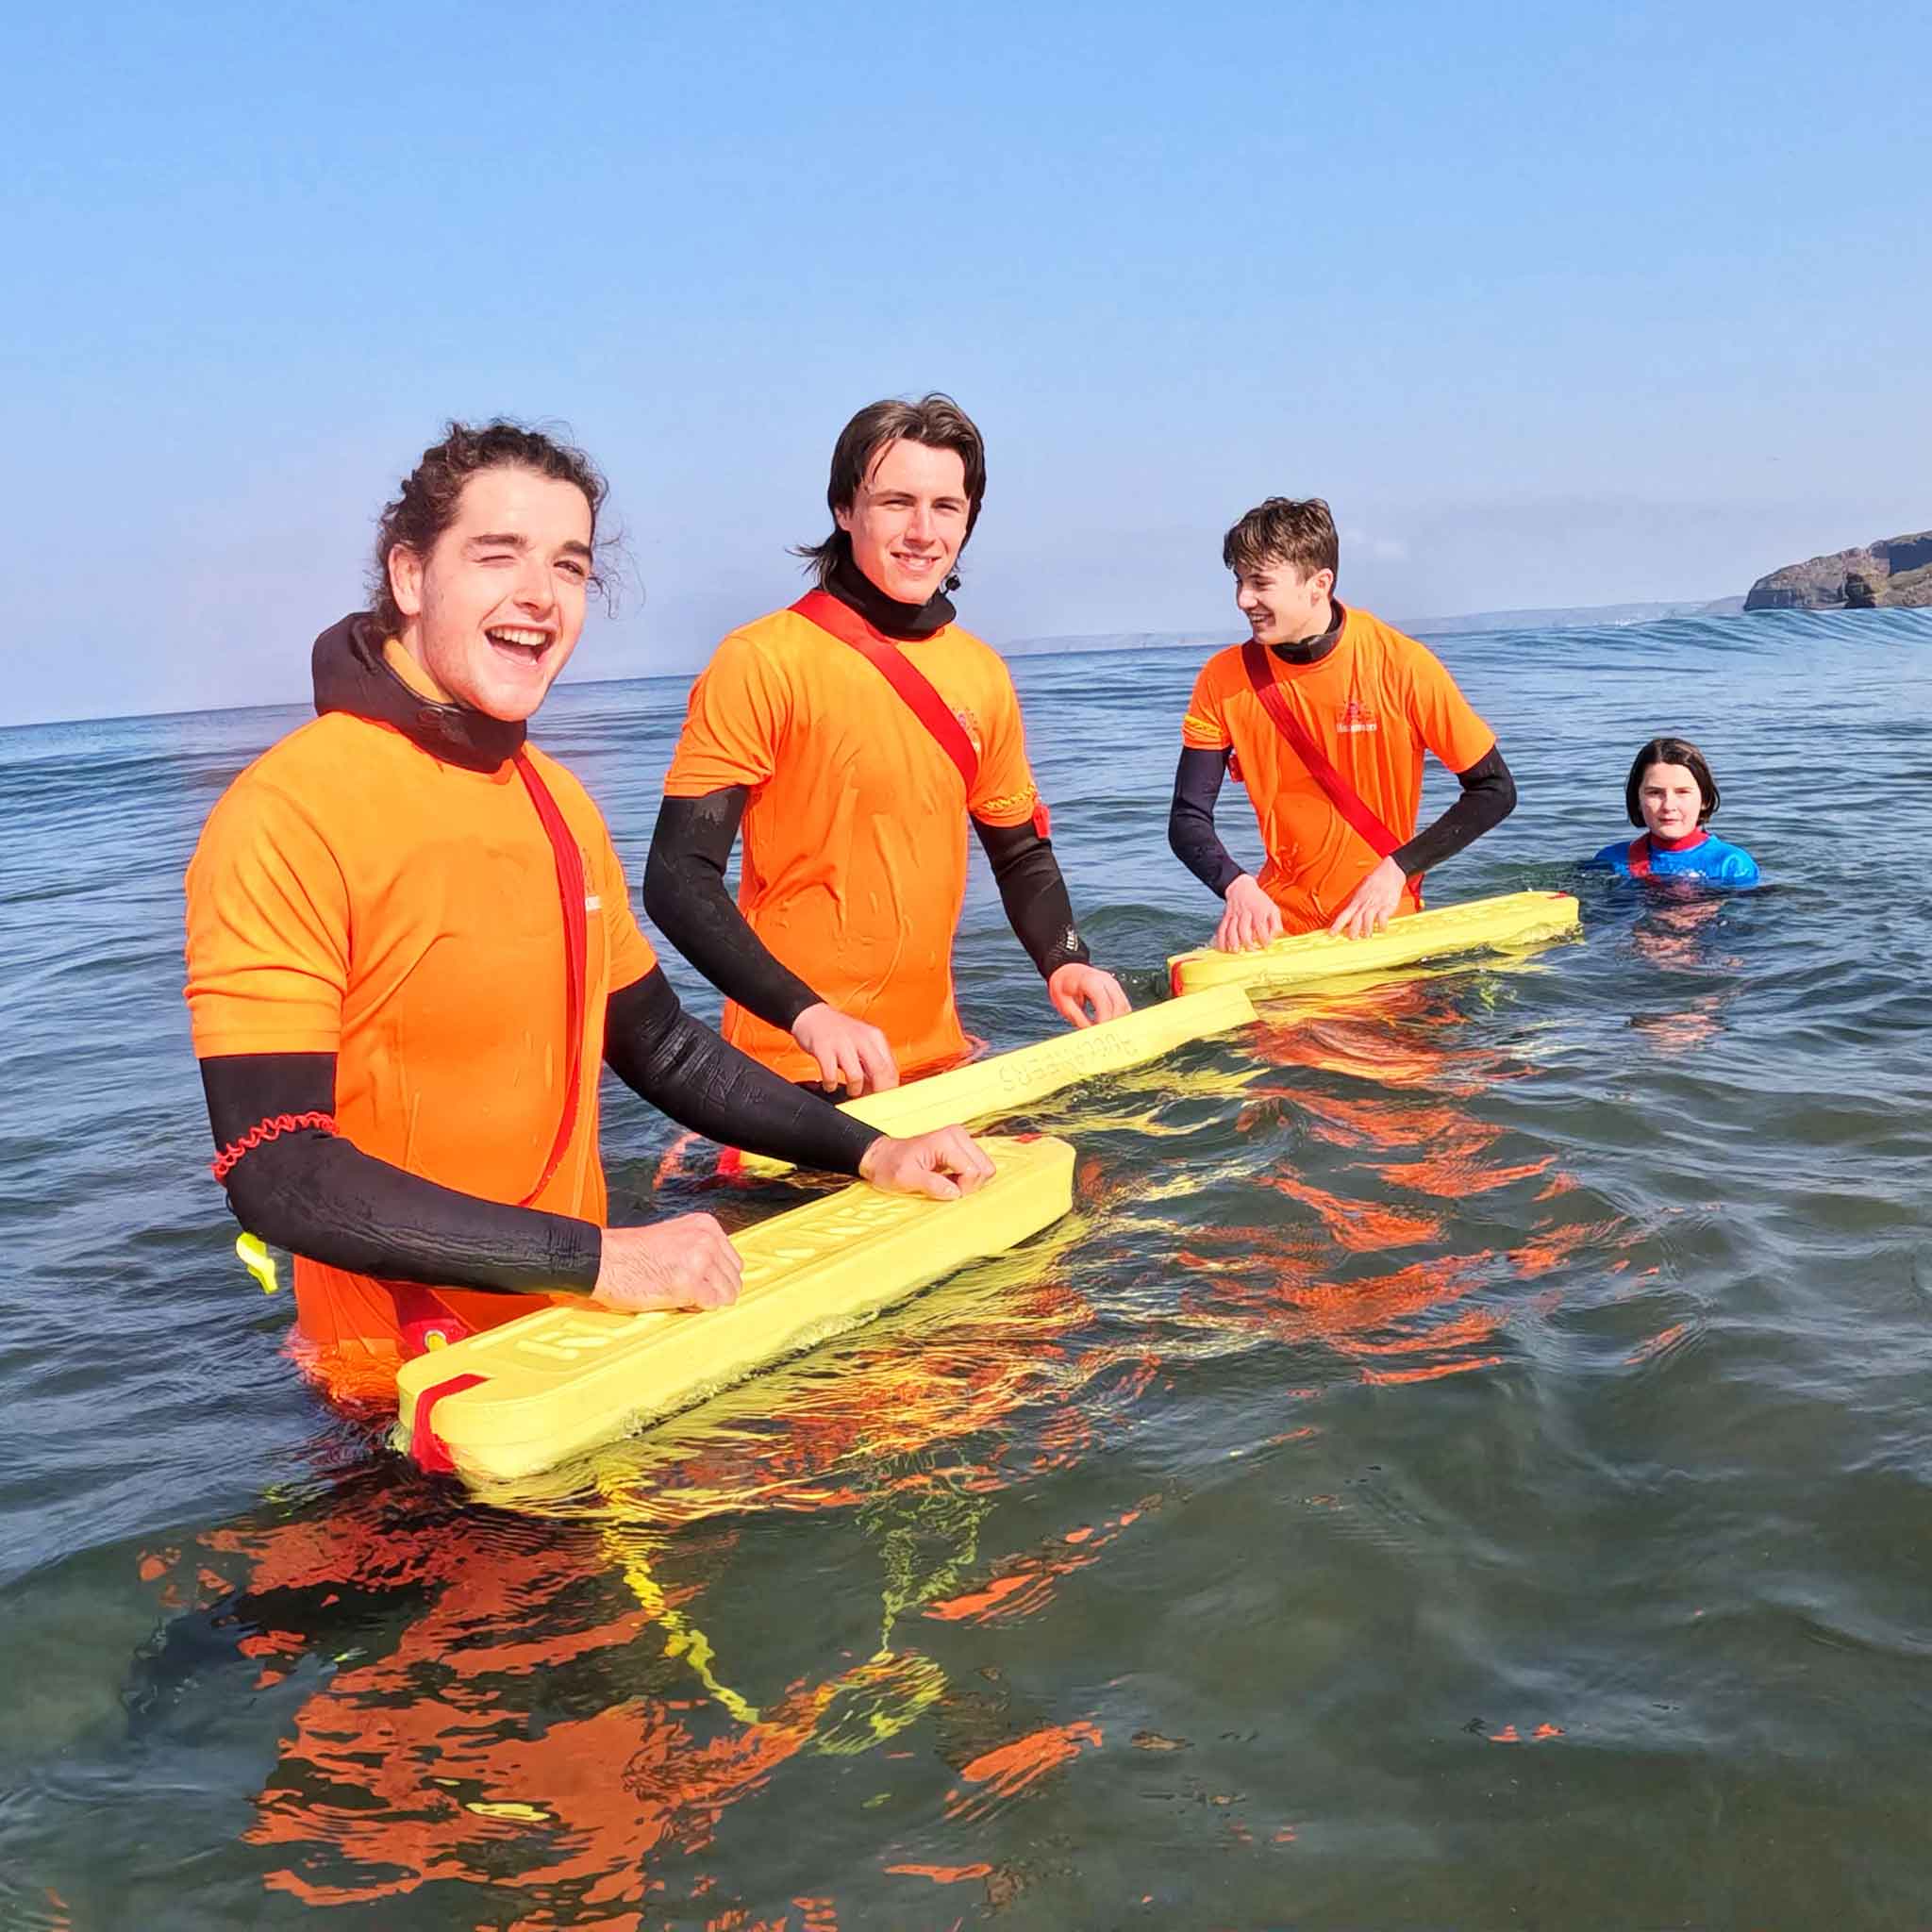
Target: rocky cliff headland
point(1894, 571)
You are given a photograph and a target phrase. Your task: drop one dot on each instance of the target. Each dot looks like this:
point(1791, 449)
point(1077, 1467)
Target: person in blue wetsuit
point(1671, 797)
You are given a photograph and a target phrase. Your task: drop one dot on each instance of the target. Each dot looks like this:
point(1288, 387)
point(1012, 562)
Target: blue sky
point(1554, 309)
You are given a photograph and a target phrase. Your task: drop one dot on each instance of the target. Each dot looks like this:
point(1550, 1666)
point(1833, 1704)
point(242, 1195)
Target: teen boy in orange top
point(410, 952)
point(836, 959)
point(1370, 700)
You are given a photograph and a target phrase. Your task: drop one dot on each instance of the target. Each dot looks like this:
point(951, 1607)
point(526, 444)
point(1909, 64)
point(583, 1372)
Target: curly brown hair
point(426, 504)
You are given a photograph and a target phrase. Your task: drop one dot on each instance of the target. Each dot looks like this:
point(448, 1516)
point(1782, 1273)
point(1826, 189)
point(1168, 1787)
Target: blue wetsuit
point(1710, 858)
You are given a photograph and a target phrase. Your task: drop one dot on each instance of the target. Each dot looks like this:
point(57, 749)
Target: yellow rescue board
point(1010, 1082)
point(1514, 919)
point(559, 1382)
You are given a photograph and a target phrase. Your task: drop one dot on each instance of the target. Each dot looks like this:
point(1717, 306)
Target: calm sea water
point(1464, 1463)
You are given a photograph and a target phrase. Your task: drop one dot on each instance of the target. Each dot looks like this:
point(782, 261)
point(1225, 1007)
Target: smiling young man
point(854, 735)
point(410, 951)
point(1323, 714)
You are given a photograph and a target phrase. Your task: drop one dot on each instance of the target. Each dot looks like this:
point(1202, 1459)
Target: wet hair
point(935, 421)
point(426, 504)
point(1299, 532)
point(1671, 751)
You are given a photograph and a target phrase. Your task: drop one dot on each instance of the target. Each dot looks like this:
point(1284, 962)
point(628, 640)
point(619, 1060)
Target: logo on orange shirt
point(993, 809)
point(969, 723)
point(1355, 717)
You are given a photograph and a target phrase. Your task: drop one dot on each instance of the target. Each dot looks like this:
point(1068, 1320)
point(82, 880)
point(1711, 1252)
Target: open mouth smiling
point(515, 641)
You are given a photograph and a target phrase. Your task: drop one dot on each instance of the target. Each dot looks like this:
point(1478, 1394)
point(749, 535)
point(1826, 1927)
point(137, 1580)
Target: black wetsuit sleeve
point(685, 898)
point(317, 1194)
point(680, 1066)
point(1191, 819)
point(1034, 894)
point(1488, 797)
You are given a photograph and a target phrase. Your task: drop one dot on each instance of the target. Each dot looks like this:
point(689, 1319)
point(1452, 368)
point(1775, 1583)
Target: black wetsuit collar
point(352, 675)
point(908, 623)
point(1312, 650)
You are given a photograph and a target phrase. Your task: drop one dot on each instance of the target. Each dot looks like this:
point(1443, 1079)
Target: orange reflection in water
point(482, 1721)
point(1676, 935)
point(1359, 1226)
point(1406, 1152)
point(494, 1734)
point(1284, 1289)
point(424, 1763)
point(499, 1741)
point(1024, 1583)
point(1002, 1774)
point(1389, 1035)
point(1678, 929)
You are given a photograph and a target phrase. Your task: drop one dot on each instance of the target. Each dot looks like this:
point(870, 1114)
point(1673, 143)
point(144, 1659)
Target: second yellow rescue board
point(561, 1381)
point(1010, 1082)
point(1514, 919)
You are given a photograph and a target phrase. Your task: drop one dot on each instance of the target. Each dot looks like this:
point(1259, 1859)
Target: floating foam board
point(1010, 1082)
point(553, 1384)
point(1302, 959)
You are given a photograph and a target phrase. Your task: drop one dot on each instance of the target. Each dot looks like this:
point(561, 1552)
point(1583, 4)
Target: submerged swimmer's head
point(908, 480)
point(485, 561)
point(1284, 555)
point(1669, 791)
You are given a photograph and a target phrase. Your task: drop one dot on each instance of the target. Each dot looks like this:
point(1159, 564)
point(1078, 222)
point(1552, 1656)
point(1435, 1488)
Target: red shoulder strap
point(570, 893)
point(914, 689)
point(420, 1309)
point(1638, 858)
point(1341, 794)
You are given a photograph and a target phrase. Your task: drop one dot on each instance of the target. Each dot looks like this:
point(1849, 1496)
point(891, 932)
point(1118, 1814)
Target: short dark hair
point(1671, 751)
point(1284, 529)
point(935, 421)
point(425, 506)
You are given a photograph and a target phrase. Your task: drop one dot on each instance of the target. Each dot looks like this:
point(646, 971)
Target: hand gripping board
point(1010, 1082)
point(553, 1384)
point(1514, 919)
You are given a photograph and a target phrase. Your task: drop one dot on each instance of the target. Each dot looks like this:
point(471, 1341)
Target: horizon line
point(1071, 646)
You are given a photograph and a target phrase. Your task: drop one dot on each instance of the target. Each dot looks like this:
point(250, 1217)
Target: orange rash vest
point(353, 895)
point(854, 867)
point(1373, 704)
